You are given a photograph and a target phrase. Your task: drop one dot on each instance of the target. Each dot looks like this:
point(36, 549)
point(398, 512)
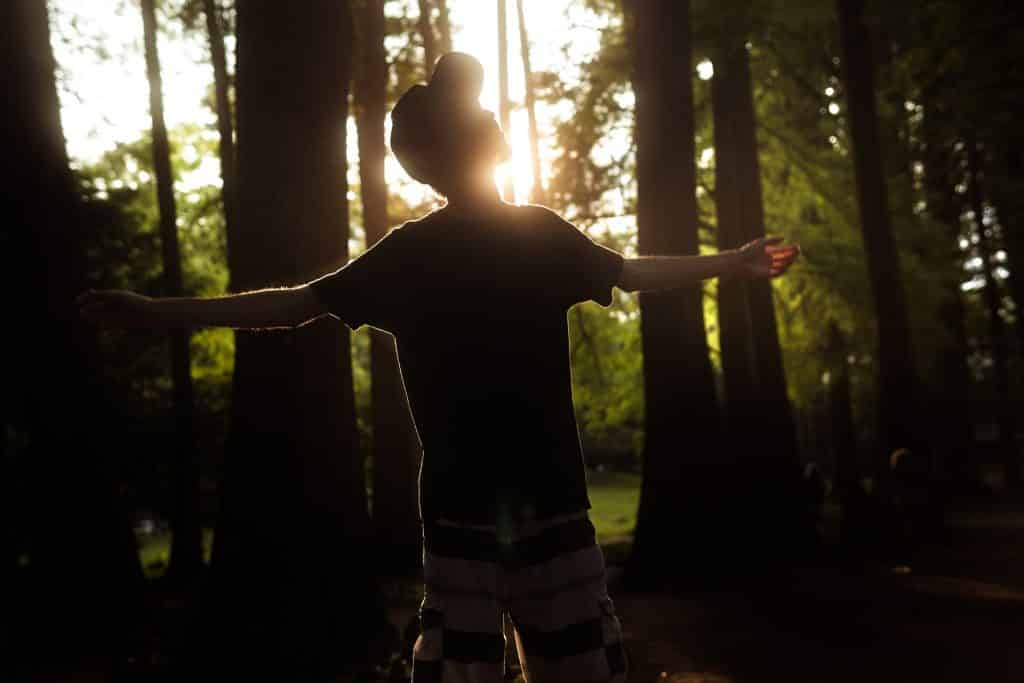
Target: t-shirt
point(478, 310)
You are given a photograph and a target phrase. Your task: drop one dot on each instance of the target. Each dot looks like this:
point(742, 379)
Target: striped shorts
point(546, 577)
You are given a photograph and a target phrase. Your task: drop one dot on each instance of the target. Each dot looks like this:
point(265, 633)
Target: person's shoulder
point(542, 220)
point(415, 227)
point(539, 212)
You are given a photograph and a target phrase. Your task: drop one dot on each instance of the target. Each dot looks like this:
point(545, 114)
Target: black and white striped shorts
point(547, 576)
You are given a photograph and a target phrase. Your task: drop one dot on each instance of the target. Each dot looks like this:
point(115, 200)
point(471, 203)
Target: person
point(476, 294)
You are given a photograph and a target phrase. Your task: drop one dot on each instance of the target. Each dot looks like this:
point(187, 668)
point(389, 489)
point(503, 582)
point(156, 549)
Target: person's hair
point(449, 164)
point(439, 131)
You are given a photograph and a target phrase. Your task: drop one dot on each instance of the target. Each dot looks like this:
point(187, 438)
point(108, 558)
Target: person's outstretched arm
point(761, 258)
point(263, 309)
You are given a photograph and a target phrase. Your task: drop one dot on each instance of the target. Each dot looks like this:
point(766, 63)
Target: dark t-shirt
point(478, 309)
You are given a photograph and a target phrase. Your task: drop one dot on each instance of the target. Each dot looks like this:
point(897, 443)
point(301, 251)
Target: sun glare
point(105, 101)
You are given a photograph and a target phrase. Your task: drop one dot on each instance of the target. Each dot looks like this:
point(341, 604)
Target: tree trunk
point(444, 26)
point(1003, 408)
point(225, 129)
point(682, 474)
point(1007, 190)
point(843, 437)
point(396, 450)
point(537, 188)
point(757, 400)
point(897, 384)
point(289, 577)
point(741, 405)
point(504, 104)
point(952, 424)
point(80, 591)
point(186, 559)
point(426, 29)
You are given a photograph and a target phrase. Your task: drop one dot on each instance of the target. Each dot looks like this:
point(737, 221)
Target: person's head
point(441, 135)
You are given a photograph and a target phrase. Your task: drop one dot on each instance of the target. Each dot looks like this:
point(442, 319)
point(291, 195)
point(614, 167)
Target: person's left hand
point(765, 257)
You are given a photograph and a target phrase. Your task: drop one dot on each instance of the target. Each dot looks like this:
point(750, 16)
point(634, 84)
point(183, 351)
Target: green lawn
point(614, 496)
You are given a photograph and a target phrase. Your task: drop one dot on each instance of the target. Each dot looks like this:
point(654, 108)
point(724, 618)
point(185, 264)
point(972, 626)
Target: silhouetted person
point(476, 294)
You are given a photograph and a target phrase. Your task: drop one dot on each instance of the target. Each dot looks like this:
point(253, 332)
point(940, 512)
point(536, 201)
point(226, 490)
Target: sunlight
point(105, 98)
point(705, 70)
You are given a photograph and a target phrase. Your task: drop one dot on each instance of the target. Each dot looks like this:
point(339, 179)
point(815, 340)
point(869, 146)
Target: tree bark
point(742, 403)
point(952, 427)
point(225, 129)
point(426, 29)
point(444, 26)
point(897, 383)
point(756, 396)
point(396, 449)
point(504, 104)
point(843, 437)
point(81, 589)
point(294, 508)
point(1004, 412)
point(537, 188)
point(186, 559)
point(1006, 191)
point(682, 472)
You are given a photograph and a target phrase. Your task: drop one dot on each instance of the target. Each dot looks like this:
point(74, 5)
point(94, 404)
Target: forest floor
point(950, 611)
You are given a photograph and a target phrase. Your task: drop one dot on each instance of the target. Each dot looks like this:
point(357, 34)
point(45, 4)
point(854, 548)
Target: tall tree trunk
point(952, 423)
point(186, 545)
point(396, 450)
point(841, 430)
point(1007, 190)
point(225, 129)
point(504, 104)
point(897, 383)
point(80, 590)
point(444, 26)
point(681, 451)
point(537, 188)
point(425, 25)
point(739, 372)
point(756, 397)
point(294, 508)
point(1003, 408)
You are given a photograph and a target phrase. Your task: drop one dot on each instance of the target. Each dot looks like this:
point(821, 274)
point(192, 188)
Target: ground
point(951, 611)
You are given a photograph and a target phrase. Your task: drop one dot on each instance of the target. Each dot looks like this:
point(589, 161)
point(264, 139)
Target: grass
point(614, 496)
point(155, 552)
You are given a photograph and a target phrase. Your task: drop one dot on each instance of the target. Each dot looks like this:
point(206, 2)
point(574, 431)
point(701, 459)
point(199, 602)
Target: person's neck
point(476, 199)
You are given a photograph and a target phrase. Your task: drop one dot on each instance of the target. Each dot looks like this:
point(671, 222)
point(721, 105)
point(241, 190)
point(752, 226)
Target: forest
point(817, 477)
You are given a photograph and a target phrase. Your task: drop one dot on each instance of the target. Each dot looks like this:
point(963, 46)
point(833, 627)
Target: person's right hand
point(116, 308)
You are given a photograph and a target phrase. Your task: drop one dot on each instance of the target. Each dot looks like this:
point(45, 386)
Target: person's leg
point(460, 618)
point(566, 626)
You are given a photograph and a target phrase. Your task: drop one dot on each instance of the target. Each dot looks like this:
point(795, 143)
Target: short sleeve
point(368, 290)
point(583, 269)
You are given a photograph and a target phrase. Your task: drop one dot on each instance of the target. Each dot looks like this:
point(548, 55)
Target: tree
point(537, 188)
point(80, 588)
point(186, 547)
point(426, 28)
point(444, 26)
point(225, 125)
point(504, 104)
point(733, 204)
point(396, 450)
point(756, 396)
point(1004, 411)
point(294, 508)
point(953, 416)
point(896, 377)
point(681, 453)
